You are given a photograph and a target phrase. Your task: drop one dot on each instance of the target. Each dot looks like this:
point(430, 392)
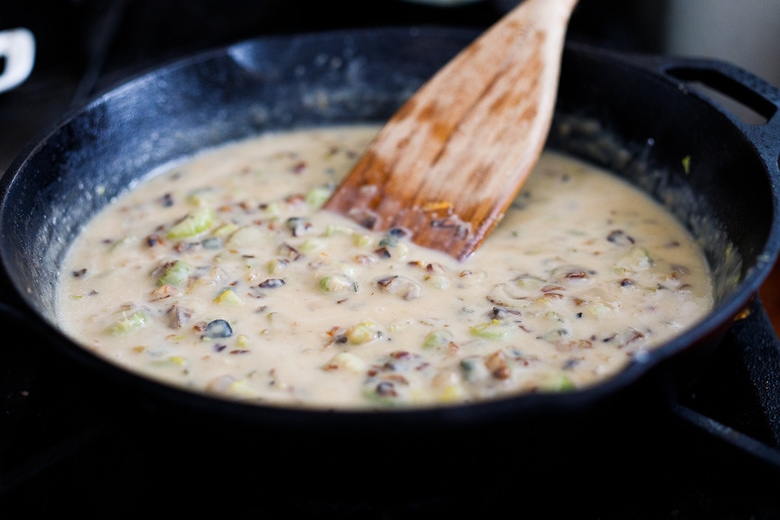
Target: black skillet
point(653, 120)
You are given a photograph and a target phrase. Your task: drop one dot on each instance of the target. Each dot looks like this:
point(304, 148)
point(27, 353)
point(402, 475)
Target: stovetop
point(66, 445)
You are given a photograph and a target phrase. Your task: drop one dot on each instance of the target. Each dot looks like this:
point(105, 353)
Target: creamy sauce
point(220, 275)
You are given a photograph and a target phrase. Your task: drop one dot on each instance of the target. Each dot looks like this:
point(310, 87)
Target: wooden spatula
point(447, 165)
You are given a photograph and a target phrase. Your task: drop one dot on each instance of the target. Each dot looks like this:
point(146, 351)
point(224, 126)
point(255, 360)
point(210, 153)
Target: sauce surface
point(220, 275)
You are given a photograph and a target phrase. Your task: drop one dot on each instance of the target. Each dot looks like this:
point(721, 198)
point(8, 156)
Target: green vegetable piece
point(311, 244)
point(169, 362)
point(316, 197)
point(362, 333)
point(491, 330)
point(338, 284)
point(637, 258)
point(362, 240)
point(130, 324)
point(228, 296)
point(558, 382)
point(554, 335)
point(332, 229)
point(686, 164)
point(124, 243)
point(437, 338)
point(176, 274)
point(554, 316)
point(195, 223)
point(225, 230)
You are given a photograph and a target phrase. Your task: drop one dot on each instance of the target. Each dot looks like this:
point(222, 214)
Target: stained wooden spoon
point(447, 165)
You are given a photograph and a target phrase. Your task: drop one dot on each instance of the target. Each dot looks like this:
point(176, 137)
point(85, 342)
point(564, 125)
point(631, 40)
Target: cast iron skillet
point(642, 117)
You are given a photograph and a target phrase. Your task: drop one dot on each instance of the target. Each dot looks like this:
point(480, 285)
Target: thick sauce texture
point(221, 275)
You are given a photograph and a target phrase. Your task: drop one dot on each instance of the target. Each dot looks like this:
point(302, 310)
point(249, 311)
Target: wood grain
point(447, 165)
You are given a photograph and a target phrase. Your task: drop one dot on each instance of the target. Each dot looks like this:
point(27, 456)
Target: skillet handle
point(758, 355)
point(747, 100)
point(753, 106)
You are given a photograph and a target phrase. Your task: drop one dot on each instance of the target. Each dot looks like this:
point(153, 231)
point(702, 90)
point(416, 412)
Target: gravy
point(220, 275)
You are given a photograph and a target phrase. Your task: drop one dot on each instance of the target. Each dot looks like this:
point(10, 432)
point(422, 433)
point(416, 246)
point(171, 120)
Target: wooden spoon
point(447, 165)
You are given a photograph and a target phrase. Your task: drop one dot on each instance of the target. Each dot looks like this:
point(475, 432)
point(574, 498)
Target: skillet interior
point(628, 118)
